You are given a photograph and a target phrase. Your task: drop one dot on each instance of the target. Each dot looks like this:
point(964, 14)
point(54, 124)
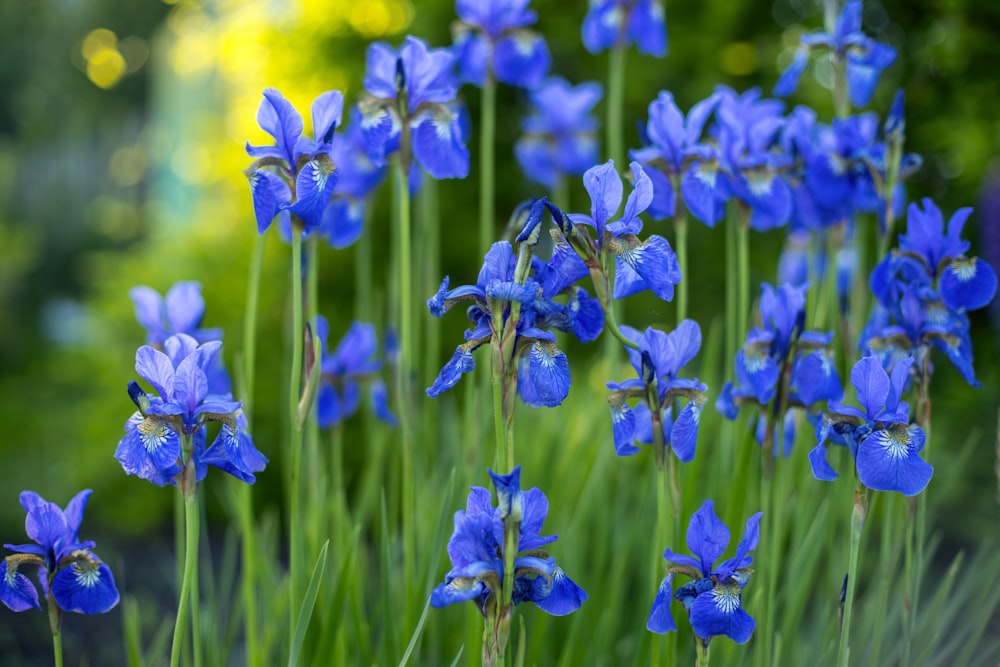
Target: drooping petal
point(16, 589)
point(646, 27)
point(703, 193)
point(968, 284)
point(684, 434)
point(863, 69)
point(623, 427)
point(439, 144)
point(85, 586)
point(343, 221)
point(149, 449)
point(720, 612)
point(548, 375)
point(380, 401)
point(888, 461)
point(789, 79)
point(460, 363)
point(459, 589)
point(656, 263)
point(821, 468)
point(559, 595)
point(660, 620)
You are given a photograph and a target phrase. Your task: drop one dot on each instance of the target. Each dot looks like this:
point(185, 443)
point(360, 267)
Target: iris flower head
point(714, 598)
point(68, 570)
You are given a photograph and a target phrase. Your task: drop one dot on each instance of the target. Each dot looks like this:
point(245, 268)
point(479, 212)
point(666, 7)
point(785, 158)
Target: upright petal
point(872, 383)
point(155, 368)
point(278, 117)
point(707, 536)
point(605, 189)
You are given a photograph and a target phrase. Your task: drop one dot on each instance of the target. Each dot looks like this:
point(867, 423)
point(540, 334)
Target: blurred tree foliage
point(140, 183)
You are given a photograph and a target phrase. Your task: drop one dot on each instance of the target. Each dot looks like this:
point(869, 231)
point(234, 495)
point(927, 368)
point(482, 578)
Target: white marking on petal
point(153, 434)
point(726, 598)
point(896, 443)
point(706, 172)
point(86, 572)
point(965, 270)
point(755, 362)
point(760, 184)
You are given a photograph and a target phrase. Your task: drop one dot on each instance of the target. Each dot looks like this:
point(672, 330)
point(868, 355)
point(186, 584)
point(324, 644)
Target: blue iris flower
point(865, 58)
point(543, 377)
point(343, 219)
point(414, 85)
point(71, 574)
point(780, 356)
point(885, 447)
point(714, 600)
point(355, 360)
point(924, 290)
point(640, 265)
point(180, 312)
point(657, 362)
point(674, 143)
point(476, 552)
point(296, 158)
point(611, 23)
point(493, 40)
point(181, 408)
point(560, 136)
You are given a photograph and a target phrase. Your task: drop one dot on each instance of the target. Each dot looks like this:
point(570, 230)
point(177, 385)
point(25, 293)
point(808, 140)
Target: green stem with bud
point(858, 514)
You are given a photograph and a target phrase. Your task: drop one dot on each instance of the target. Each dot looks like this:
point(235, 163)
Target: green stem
point(616, 104)
point(406, 360)
point(363, 268)
point(294, 390)
point(732, 325)
point(701, 652)
point(186, 600)
point(244, 498)
point(858, 514)
point(55, 623)
point(743, 245)
point(312, 463)
point(680, 227)
point(487, 138)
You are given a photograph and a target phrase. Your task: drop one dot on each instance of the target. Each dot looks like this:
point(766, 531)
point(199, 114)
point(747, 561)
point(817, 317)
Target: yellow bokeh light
point(96, 41)
point(380, 17)
point(738, 59)
point(106, 67)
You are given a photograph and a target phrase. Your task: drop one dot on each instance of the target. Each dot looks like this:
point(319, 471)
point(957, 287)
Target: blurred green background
point(122, 126)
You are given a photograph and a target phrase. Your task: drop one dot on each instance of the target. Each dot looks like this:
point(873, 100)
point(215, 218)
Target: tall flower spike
point(76, 578)
point(714, 599)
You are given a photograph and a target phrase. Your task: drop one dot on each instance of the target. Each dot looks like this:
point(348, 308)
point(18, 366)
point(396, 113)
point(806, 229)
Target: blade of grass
point(305, 611)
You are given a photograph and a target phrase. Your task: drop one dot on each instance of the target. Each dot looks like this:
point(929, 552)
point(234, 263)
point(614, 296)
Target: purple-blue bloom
point(865, 58)
point(657, 362)
point(560, 136)
point(674, 143)
point(640, 265)
point(476, 552)
point(493, 40)
point(611, 23)
point(414, 85)
point(885, 447)
point(713, 600)
point(355, 360)
point(179, 410)
point(924, 290)
point(68, 571)
point(297, 159)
